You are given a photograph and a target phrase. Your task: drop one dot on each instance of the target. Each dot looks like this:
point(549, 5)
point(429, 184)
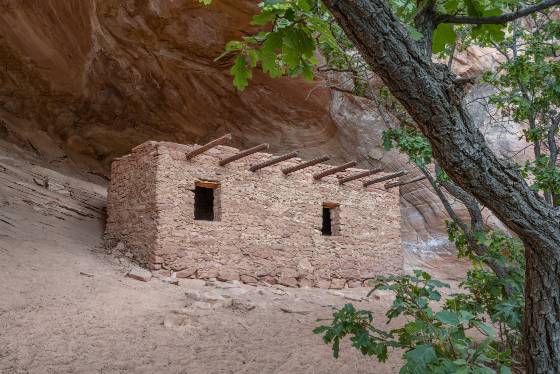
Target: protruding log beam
point(306, 164)
point(245, 153)
point(362, 174)
point(214, 143)
point(334, 170)
point(385, 178)
point(398, 184)
point(273, 161)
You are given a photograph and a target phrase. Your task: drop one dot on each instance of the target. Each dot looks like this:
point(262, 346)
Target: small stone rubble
point(139, 274)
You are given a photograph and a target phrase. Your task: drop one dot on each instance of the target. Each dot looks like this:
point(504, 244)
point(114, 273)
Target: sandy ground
point(66, 305)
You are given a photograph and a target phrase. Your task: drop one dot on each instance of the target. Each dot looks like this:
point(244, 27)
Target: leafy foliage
point(444, 36)
point(294, 30)
point(546, 176)
point(409, 141)
point(528, 92)
point(298, 28)
point(434, 341)
point(487, 291)
point(475, 331)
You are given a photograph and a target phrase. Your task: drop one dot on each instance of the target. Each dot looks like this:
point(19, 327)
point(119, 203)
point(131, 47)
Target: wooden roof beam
point(306, 164)
point(214, 143)
point(398, 184)
point(245, 153)
point(362, 174)
point(273, 161)
point(385, 178)
point(334, 170)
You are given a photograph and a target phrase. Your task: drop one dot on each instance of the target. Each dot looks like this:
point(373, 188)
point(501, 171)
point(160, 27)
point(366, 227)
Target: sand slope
point(66, 305)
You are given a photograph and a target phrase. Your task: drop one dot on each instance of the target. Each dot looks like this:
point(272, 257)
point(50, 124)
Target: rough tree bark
point(434, 101)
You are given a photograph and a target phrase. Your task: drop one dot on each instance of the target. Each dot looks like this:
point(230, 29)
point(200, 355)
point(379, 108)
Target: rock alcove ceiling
point(84, 81)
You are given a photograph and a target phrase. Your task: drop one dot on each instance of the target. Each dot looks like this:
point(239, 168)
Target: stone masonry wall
point(131, 203)
point(268, 227)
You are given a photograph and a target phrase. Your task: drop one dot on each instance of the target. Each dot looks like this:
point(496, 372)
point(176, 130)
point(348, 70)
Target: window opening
point(327, 221)
point(203, 203)
point(330, 219)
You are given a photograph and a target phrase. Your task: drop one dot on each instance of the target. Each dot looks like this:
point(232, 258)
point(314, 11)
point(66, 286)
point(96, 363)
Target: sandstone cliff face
point(98, 77)
point(89, 79)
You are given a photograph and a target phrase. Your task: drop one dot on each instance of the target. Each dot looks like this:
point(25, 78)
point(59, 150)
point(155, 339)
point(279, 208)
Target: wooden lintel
point(273, 161)
point(330, 205)
point(385, 178)
point(214, 143)
point(398, 184)
point(207, 184)
point(362, 174)
point(245, 153)
point(334, 170)
point(305, 164)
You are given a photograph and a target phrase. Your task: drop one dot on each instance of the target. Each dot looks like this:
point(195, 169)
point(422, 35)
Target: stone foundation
point(266, 227)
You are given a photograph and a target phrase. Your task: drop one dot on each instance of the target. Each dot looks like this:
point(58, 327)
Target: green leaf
point(488, 330)
point(422, 355)
point(253, 57)
point(505, 370)
point(451, 6)
point(304, 5)
point(437, 283)
point(297, 45)
point(307, 72)
point(447, 317)
point(422, 302)
point(268, 54)
point(320, 329)
point(241, 73)
point(444, 35)
point(465, 316)
point(231, 46)
point(433, 295)
point(489, 33)
point(414, 33)
point(474, 8)
point(323, 28)
point(263, 18)
point(482, 370)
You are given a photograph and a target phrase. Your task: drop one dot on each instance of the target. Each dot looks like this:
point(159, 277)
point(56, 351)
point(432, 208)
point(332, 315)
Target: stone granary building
point(215, 212)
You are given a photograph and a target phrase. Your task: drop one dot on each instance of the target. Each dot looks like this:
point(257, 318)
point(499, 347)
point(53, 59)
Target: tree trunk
point(435, 102)
point(541, 325)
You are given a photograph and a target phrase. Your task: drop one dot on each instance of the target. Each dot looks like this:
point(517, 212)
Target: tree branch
point(425, 24)
point(504, 18)
point(445, 202)
point(476, 221)
point(553, 150)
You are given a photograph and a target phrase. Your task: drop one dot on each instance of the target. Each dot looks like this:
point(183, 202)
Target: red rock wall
point(84, 81)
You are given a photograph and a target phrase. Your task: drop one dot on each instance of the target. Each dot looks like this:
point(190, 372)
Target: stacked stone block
point(267, 227)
